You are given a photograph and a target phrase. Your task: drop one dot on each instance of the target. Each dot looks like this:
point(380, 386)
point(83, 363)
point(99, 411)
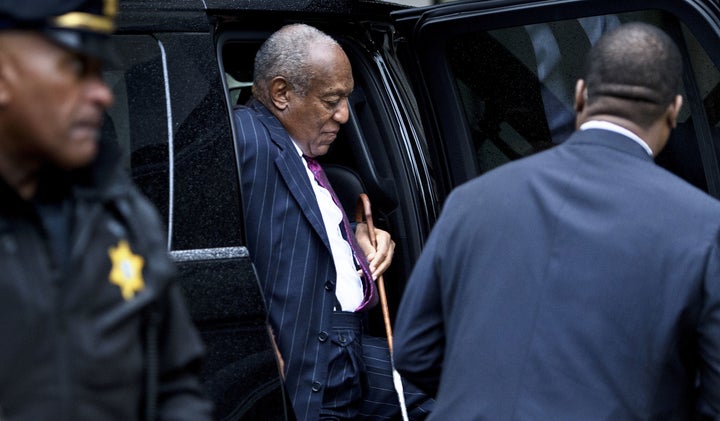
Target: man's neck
point(19, 176)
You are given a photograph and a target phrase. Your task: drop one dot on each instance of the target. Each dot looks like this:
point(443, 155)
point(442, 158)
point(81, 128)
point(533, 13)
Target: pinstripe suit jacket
point(289, 246)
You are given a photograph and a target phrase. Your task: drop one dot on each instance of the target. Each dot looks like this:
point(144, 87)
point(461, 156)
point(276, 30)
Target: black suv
point(442, 94)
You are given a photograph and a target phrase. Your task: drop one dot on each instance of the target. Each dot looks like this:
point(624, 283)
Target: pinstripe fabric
point(282, 219)
point(291, 252)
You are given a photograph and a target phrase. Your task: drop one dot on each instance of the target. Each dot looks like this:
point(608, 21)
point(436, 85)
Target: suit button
point(329, 286)
point(316, 386)
point(323, 336)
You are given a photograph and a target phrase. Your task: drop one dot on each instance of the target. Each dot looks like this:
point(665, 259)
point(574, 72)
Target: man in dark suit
point(317, 283)
point(582, 283)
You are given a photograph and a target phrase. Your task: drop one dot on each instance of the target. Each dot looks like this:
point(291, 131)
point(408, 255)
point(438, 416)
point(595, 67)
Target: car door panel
point(223, 296)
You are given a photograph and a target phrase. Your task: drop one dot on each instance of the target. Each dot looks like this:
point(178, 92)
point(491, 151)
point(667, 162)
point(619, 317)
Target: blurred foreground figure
point(92, 326)
point(582, 283)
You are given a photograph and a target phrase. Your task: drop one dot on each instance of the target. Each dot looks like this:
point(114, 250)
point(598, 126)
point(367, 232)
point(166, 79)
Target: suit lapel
point(292, 171)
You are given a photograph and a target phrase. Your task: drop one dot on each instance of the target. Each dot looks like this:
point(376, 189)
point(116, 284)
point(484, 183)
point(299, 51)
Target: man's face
point(51, 102)
point(314, 120)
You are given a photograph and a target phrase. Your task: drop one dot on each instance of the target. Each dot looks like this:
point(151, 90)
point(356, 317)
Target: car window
point(516, 87)
point(138, 119)
point(207, 211)
point(167, 105)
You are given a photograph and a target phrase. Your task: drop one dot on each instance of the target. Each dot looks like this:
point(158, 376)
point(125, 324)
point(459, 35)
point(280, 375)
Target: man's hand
point(378, 257)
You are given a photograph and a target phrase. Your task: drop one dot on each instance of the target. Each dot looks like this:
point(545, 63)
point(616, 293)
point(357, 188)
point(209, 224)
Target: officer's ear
point(280, 92)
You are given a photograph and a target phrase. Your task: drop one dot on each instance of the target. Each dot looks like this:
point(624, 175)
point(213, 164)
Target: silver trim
point(171, 148)
point(218, 253)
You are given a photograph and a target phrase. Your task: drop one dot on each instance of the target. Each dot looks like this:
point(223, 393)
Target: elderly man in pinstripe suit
point(309, 269)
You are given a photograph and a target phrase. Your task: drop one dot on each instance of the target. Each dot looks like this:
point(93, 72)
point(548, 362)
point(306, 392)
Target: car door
point(495, 79)
point(171, 121)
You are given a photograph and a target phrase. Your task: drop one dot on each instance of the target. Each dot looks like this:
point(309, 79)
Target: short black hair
point(637, 64)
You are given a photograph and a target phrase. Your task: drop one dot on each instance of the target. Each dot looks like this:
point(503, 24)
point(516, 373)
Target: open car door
point(495, 79)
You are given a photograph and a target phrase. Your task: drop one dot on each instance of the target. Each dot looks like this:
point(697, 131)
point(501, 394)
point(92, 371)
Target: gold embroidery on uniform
point(104, 23)
point(88, 21)
point(126, 270)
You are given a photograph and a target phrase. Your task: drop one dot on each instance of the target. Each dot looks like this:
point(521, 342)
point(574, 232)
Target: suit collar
point(278, 134)
point(609, 139)
point(292, 170)
point(607, 125)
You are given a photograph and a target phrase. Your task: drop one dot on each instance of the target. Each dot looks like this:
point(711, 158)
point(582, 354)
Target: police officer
point(91, 325)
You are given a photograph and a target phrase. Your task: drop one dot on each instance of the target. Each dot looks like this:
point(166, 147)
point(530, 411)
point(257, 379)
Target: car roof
point(192, 15)
point(314, 6)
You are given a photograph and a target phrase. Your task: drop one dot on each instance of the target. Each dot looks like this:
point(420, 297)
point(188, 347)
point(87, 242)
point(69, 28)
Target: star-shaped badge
point(126, 270)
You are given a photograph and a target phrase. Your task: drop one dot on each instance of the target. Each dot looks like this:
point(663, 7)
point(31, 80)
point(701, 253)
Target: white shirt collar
point(606, 125)
point(297, 148)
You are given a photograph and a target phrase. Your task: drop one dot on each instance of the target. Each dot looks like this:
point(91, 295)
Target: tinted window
point(207, 211)
point(197, 191)
point(683, 152)
point(138, 117)
point(517, 85)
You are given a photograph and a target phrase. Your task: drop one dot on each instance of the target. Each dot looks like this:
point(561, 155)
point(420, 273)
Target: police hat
point(79, 25)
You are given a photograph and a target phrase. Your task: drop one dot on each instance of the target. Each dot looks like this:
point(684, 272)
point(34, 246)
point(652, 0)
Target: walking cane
point(363, 210)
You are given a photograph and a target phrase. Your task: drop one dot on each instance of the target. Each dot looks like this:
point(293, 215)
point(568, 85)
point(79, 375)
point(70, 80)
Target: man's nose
point(99, 93)
point(342, 114)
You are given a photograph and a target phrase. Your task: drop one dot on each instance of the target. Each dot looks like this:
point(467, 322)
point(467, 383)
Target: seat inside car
point(347, 185)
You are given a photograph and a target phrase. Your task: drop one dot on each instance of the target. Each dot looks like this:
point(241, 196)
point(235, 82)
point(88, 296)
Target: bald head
point(633, 72)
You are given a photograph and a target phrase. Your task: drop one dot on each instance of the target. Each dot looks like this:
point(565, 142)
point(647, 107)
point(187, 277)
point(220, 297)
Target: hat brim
point(94, 45)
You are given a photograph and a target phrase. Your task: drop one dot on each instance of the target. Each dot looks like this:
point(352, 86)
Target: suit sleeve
point(256, 178)
point(419, 338)
point(709, 338)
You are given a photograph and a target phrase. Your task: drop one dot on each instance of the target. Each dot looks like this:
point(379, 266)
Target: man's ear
point(674, 110)
point(580, 96)
point(279, 92)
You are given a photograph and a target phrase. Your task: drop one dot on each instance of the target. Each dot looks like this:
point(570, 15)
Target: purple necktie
point(371, 298)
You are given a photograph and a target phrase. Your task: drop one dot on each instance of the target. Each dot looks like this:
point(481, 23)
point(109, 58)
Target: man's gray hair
point(286, 53)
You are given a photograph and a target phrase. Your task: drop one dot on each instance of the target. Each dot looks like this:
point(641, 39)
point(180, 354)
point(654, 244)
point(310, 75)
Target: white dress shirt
point(348, 285)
